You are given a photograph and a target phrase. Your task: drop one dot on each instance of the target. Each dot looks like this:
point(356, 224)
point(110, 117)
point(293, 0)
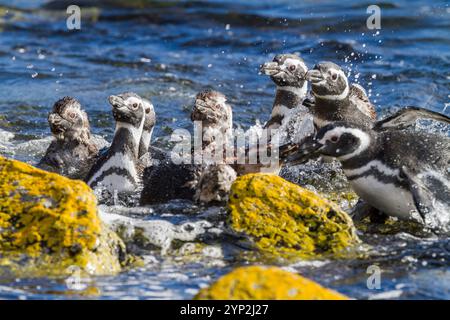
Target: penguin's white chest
point(117, 174)
point(386, 197)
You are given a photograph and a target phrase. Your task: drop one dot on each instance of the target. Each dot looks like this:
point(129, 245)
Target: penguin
point(288, 72)
point(335, 99)
point(205, 182)
point(147, 153)
point(74, 151)
point(117, 169)
point(401, 173)
point(149, 125)
point(215, 116)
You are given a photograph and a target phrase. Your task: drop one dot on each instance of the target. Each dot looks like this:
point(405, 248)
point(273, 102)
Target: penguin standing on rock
point(117, 170)
point(74, 151)
point(401, 173)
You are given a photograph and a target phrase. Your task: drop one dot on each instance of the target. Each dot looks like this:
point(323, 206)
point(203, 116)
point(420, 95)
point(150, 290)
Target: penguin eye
point(292, 67)
point(334, 76)
point(334, 139)
point(135, 105)
point(72, 115)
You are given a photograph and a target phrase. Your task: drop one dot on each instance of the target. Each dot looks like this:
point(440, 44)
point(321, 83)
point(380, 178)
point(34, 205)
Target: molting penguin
point(216, 117)
point(201, 182)
point(74, 151)
point(117, 170)
point(288, 72)
point(335, 99)
point(399, 172)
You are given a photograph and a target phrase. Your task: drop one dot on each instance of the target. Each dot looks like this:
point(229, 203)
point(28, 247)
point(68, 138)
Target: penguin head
point(214, 114)
point(328, 81)
point(339, 140)
point(212, 110)
point(128, 108)
point(68, 121)
point(150, 116)
point(286, 70)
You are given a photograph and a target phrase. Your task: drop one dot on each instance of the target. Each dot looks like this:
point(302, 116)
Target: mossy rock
point(49, 225)
point(286, 220)
point(266, 283)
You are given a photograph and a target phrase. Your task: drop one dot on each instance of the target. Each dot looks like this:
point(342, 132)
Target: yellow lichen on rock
point(49, 223)
point(285, 220)
point(266, 283)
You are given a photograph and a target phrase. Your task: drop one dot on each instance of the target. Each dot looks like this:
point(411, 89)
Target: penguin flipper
point(407, 117)
point(98, 163)
point(422, 196)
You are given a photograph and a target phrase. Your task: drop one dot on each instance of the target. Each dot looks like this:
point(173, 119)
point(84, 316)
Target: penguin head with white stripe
point(328, 81)
point(150, 116)
point(286, 70)
point(128, 108)
point(68, 121)
point(339, 140)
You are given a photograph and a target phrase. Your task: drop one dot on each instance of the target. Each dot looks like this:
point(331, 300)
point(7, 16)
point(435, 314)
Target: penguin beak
point(270, 68)
point(58, 125)
point(116, 101)
point(314, 76)
point(300, 153)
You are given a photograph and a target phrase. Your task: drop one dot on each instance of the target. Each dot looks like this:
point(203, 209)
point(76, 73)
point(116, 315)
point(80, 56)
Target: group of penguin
point(395, 168)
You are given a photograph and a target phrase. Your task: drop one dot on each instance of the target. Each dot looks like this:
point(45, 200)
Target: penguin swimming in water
point(147, 130)
point(288, 72)
point(335, 99)
point(401, 173)
point(205, 182)
point(74, 151)
point(117, 170)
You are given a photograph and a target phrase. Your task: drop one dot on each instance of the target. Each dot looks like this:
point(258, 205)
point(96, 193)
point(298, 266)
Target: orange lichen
point(266, 283)
point(53, 221)
point(286, 220)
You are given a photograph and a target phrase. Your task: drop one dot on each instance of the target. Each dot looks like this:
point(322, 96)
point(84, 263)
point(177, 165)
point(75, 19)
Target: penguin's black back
point(166, 181)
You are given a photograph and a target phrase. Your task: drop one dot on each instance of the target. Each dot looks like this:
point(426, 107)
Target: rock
point(49, 226)
point(266, 283)
point(286, 220)
point(157, 233)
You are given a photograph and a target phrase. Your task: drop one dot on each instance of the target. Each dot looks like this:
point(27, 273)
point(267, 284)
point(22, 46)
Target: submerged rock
point(285, 220)
point(49, 225)
point(266, 283)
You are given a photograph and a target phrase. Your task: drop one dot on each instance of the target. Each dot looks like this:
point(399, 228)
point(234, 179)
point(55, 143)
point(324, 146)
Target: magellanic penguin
point(335, 99)
point(215, 115)
point(144, 155)
point(206, 182)
point(73, 152)
point(288, 72)
point(117, 170)
point(402, 173)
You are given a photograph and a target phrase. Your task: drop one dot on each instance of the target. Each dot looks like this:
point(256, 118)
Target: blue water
point(168, 51)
